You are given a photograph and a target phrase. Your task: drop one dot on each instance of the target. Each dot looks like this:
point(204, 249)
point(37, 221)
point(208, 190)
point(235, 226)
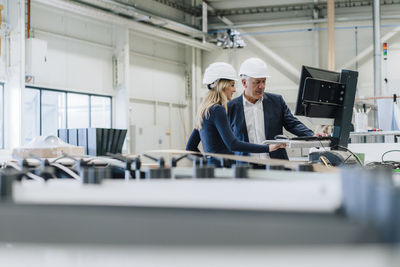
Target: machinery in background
point(328, 94)
point(357, 206)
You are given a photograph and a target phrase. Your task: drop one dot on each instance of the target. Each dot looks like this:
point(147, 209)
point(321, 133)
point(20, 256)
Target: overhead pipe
point(214, 27)
point(140, 15)
point(101, 15)
point(396, 30)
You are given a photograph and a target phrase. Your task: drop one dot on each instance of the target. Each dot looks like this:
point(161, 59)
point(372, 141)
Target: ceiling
point(256, 11)
point(243, 14)
point(185, 16)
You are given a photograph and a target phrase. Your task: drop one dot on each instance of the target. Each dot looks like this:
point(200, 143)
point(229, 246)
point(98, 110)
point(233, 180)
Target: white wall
point(158, 92)
point(80, 63)
point(155, 74)
point(154, 82)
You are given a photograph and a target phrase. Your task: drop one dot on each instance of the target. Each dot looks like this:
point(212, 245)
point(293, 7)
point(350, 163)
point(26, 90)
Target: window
point(31, 118)
point(46, 110)
point(100, 112)
point(53, 112)
point(78, 111)
point(1, 115)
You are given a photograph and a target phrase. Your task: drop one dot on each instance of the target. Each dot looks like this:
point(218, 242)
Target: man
point(256, 116)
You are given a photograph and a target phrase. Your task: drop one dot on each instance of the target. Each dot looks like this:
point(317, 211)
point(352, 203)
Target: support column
point(377, 53)
point(205, 20)
point(196, 74)
point(377, 48)
point(15, 78)
point(331, 34)
point(121, 110)
point(316, 37)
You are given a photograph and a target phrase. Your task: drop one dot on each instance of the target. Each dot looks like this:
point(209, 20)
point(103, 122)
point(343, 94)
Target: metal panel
point(173, 227)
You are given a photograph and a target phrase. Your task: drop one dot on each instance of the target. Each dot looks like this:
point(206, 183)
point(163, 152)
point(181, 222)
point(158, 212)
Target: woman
point(212, 126)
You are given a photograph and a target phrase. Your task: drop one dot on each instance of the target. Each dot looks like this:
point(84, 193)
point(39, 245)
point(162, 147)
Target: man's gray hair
point(244, 76)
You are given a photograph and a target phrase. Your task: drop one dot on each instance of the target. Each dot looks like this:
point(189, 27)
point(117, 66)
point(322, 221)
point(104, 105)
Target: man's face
point(254, 87)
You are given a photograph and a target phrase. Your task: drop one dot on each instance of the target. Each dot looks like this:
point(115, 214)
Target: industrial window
point(46, 110)
point(1, 115)
point(78, 111)
point(53, 112)
point(100, 111)
point(31, 118)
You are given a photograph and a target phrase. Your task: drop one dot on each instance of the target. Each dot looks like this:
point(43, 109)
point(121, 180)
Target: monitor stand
point(339, 154)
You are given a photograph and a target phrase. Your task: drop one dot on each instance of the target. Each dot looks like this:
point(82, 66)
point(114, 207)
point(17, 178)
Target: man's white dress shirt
point(254, 116)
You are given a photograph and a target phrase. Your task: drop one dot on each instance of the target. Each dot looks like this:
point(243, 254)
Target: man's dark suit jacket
point(276, 116)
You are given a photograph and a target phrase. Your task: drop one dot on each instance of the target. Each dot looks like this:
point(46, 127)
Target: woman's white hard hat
point(255, 68)
point(217, 71)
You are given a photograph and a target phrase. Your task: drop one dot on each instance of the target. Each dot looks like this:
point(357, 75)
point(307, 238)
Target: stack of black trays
point(96, 141)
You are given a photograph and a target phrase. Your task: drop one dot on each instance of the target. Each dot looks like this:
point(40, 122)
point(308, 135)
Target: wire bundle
point(395, 165)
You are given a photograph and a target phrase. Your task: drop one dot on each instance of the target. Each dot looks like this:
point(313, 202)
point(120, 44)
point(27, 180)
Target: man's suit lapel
point(242, 127)
point(266, 115)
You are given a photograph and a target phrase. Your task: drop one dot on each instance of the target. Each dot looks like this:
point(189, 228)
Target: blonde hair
point(214, 96)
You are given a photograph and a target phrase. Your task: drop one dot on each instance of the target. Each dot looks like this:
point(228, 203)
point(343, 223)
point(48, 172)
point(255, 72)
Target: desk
point(374, 151)
point(300, 143)
point(375, 137)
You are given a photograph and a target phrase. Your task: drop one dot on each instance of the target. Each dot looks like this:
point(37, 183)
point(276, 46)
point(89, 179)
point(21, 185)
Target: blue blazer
point(276, 116)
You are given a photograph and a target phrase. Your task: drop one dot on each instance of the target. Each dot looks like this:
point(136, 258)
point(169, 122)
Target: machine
point(328, 94)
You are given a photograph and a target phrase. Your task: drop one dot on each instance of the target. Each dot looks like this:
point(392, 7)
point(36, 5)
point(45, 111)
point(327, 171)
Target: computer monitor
point(320, 93)
point(328, 94)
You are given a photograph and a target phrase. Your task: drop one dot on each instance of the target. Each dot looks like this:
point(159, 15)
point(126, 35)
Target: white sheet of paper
point(385, 114)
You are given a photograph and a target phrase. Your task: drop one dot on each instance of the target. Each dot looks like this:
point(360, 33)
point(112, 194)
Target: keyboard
point(311, 138)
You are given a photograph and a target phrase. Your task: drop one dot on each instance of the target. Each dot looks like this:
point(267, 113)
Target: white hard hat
point(255, 68)
point(219, 70)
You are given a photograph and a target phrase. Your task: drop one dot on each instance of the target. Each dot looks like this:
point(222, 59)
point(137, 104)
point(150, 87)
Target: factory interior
point(200, 133)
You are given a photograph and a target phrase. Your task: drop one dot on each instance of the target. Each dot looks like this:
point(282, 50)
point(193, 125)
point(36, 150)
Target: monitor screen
point(320, 93)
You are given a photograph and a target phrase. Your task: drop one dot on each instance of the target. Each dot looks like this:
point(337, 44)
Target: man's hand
point(273, 147)
point(321, 135)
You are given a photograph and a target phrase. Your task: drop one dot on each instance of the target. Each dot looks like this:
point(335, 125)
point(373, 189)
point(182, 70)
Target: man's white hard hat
point(255, 68)
point(217, 71)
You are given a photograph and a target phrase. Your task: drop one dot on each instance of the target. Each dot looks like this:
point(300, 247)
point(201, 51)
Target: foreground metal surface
point(175, 227)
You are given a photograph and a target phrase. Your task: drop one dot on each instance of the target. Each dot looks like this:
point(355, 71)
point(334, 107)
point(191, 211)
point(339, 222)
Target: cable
point(35, 177)
point(387, 152)
point(29, 174)
point(320, 141)
point(67, 170)
point(377, 163)
point(355, 156)
point(92, 161)
point(65, 156)
point(15, 166)
point(347, 158)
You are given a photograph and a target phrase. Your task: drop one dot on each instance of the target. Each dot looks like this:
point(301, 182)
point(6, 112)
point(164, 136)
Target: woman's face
point(230, 90)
